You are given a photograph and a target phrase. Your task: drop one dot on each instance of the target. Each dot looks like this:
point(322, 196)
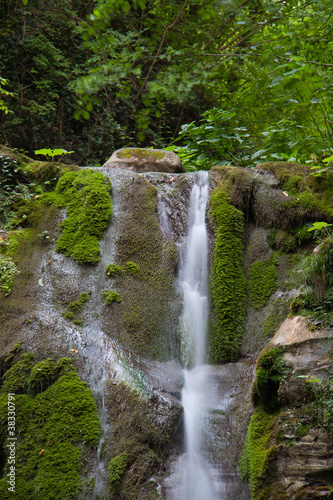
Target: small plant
point(113, 270)
point(132, 268)
point(53, 152)
point(109, 296)
point(8, 271)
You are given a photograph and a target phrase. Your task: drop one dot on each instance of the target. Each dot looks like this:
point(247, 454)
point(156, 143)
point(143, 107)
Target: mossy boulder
point(146, 160)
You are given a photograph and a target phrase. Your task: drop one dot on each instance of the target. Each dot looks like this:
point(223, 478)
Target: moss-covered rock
point(56, 426)
point(227, 279)
point(146, 320)
point(86, 195)
point(143, 428)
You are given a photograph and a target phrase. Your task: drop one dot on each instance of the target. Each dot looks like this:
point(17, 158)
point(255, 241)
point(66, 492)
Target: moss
point(277, 312)
point(109, 296)
point(55, 429)
point(132, 268)
point(270, 373)
point(113, 270)
point(227, 280)
point(262, 281)
point(258, 452)
point(117, 468)
point(88, 204)
point(74, 308)
point(142, 154)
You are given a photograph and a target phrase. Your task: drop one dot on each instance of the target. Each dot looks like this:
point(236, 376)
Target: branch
point(159, 49)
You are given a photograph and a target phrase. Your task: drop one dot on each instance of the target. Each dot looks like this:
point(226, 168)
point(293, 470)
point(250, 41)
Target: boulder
point(145, 160)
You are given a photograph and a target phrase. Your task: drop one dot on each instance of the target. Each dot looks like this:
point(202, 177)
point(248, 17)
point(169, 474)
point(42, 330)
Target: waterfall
point(196, 481)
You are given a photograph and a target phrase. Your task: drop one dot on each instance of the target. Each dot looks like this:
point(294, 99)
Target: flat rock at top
point(295, 330)
point(146, 160)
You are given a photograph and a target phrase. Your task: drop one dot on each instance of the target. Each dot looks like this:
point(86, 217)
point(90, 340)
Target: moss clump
point(74, 308)
point(113, 270)
point(132, 268)
point(8, 271)
point(56, 430)
point(117, 468)
point(109, 296)
point(87, 198)
point(227, 279)
point(271, 371)
point(258, 453)
point(262, 281)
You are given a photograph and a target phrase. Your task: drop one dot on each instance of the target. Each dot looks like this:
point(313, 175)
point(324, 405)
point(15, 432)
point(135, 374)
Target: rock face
point(145, 160)
point(298, 423)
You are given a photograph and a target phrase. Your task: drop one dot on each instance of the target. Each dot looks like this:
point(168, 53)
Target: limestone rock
point(145, 160)
point(295, 330)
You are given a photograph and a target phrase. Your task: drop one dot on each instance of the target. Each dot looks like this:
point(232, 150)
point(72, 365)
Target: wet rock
point(145, 160)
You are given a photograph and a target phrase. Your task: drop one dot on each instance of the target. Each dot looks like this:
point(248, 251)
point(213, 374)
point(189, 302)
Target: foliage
point(54, 428)
point(3, 92)
point(53, 152)
point(227, 280)
point(8, 271)
point(86, 195)
point(135, 72)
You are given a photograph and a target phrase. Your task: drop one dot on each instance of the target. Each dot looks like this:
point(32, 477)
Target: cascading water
point(196, 481)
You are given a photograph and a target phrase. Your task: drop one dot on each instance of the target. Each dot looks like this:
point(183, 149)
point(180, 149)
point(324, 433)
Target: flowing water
point(196, 483)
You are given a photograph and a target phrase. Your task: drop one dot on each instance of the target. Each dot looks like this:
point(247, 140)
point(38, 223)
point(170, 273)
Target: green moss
point(88, 204)
point(74, 308)
point(117, 468)
point(132, 268)
point(271, 371)
point(258, 453)
point(227, 280)
point(277, 313)
point(109, 296)
point(262, 281)
point(147, 154)
point(113, 270)
point(55, 430)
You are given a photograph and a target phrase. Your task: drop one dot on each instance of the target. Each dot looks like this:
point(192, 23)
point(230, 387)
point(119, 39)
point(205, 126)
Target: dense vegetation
point(234, 81)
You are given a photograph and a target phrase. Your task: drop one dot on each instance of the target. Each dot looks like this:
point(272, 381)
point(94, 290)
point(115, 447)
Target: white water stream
point(196, 481)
